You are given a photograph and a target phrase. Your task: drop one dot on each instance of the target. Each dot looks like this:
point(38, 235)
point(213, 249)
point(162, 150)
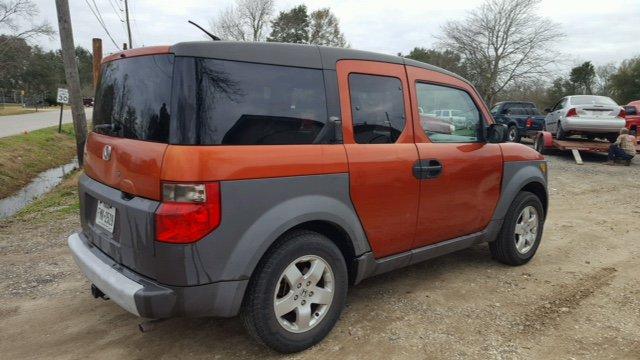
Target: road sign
point(63, 96)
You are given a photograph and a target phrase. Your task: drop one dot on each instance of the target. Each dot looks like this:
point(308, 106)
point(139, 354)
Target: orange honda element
point(262, 179)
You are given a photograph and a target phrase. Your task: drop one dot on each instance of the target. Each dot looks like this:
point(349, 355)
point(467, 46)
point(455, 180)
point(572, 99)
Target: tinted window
point(377, 108)
point(237, 103)
point(134, 97)
point(461, 126)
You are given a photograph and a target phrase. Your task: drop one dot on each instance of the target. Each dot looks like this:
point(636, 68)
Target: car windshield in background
point(590, 99)
point(133, 98)
point(220, 102)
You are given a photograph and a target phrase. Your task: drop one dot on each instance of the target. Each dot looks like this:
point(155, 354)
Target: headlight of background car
point(452, 128)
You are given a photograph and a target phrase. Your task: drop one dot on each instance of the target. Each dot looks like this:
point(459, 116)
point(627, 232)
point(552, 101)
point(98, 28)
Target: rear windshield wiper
point(107, 128)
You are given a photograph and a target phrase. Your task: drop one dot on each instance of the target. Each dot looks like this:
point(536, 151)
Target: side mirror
point(631, 110)
point(504, 111)
point(547, 110)
point(496, 133)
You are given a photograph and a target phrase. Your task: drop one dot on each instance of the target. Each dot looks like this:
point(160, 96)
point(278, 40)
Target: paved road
point(16, 124)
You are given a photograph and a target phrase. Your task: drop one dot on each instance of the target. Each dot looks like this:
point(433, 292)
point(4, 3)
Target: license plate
point(105, 216)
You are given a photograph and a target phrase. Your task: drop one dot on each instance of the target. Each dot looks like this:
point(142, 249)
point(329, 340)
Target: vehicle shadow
point(227, 337)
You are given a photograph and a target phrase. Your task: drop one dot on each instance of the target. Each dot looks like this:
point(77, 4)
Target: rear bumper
point(146, 298)
point(593, 125)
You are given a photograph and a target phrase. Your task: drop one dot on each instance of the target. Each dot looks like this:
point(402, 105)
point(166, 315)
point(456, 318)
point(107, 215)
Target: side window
point(238, 103)
point(463, 124)
point(377, 108)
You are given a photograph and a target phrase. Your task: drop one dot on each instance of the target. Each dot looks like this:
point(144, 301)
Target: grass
point(13, 109)
point(58, 203)
point(24, 156)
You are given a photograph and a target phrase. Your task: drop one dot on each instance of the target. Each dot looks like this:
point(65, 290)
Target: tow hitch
point(97, 293)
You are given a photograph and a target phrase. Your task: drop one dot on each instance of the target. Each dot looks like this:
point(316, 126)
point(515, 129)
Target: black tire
point(560, 134)
point(512, 134)
point(258, 312)
point(539, 145)
point(504, 248)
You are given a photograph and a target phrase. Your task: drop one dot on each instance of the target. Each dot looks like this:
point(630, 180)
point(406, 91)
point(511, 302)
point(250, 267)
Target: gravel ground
point(578, 298)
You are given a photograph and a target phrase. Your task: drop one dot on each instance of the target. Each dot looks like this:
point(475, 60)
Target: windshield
point(592, 100)
point(133, 98)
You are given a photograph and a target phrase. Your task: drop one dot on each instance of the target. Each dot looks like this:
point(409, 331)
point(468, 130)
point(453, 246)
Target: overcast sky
point(596, 30)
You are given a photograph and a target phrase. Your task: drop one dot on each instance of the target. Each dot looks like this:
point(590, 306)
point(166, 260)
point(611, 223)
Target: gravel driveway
point(578, 298)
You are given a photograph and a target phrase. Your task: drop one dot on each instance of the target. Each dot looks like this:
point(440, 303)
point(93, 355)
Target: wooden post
point(60, 122)
point(126, 14)
point(97, 61)
point(72, 77)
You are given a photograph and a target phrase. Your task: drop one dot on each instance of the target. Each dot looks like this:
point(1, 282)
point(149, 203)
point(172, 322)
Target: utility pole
point(126, 14)
point(71, 75)
point(97, 61)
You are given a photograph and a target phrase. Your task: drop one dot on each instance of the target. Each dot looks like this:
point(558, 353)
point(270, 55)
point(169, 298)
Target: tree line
point(27, 72)
point(503, 47)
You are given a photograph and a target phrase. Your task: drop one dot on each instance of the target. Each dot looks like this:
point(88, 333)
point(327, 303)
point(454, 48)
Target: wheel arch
point(538, 189)
point(519, 176)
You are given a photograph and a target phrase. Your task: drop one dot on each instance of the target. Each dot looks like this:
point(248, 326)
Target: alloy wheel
point(304, 293)
point(526, 230)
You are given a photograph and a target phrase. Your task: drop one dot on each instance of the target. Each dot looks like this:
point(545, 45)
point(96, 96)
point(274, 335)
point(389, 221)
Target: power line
point(100, 21)
point(116, 11)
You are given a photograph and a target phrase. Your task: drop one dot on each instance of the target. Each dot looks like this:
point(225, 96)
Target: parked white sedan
point(588, 115)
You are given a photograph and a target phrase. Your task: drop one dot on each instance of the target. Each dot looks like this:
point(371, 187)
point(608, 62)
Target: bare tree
point(503, 42)
point(17, 19)
point(246, 20)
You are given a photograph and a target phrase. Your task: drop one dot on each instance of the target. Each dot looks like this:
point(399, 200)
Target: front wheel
point(512, 134)
point(521, 231)
point(297, 292)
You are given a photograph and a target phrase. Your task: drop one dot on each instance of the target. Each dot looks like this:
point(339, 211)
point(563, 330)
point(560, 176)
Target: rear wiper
point(107, 128)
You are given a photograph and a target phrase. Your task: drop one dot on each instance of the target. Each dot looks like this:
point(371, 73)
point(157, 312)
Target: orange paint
point(134, 166)
point(148, 50)
point(383, 188)
point(462, 199)
point(213, 163)
point(519, 152)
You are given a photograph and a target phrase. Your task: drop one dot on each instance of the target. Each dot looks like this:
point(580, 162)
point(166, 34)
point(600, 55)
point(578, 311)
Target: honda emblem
point(106, 153)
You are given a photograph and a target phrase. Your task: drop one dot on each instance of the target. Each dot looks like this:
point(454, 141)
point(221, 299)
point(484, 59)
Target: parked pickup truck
point(632, 117)
point(521, 117)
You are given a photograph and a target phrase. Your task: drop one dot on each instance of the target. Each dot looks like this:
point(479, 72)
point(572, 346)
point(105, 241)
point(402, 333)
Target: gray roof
point(299, 55)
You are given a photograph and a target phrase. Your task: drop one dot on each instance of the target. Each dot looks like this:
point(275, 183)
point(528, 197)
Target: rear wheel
point(297, 292)
point(560, 134)
point(539, 145)
point(521, 231)
point(512, 134)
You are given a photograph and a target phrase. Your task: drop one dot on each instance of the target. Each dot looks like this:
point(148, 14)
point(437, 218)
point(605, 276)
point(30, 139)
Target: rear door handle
point(427, 169)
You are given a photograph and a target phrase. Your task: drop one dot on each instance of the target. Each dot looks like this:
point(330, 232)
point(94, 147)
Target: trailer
point(544, 143)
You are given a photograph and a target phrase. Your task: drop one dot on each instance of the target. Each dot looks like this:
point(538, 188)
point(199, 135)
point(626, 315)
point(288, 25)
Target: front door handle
point(427, 169)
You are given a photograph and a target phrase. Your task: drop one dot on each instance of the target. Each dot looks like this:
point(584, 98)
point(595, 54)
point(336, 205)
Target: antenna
point(215, 38)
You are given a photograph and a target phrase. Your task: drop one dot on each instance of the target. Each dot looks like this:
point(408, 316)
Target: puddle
point(42, 184)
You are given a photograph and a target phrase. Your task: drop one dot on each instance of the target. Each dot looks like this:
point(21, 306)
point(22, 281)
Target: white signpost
point(62, 98)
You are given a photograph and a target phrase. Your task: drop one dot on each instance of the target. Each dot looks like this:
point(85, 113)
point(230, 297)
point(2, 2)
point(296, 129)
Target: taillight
point(529, 122)
point(622, 114)
point(572, 112)
point(188, 212)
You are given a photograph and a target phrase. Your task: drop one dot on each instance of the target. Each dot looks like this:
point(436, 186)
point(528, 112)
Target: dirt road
point(578, 298)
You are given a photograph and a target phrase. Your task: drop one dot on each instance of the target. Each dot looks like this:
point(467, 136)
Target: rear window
point(238, 103)
point(591, 100)
point(133, 98)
